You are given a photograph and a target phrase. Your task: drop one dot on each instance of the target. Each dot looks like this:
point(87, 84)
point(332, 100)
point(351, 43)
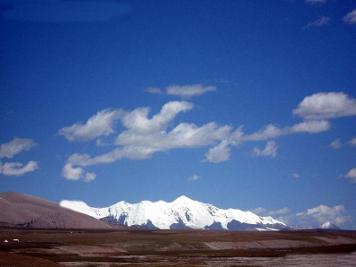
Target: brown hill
point(20, 210)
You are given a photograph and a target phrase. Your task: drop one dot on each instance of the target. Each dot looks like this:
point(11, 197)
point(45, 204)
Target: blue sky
point(258, 96)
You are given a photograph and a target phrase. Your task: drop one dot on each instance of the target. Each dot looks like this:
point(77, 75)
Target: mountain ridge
point(181, 213)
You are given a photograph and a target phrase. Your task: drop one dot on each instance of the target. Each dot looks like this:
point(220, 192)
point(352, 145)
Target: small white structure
point(16, 240)
point(6, 241)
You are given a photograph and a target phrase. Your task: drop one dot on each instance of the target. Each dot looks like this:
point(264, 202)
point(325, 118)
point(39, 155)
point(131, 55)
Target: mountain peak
point(183, 198)
point(329, 225)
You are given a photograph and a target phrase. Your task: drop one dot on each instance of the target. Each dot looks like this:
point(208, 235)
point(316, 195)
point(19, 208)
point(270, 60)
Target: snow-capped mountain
point(329, 226)
point(182, 213)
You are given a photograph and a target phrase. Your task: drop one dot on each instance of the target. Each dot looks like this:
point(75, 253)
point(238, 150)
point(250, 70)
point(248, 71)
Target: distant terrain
point(176, 248)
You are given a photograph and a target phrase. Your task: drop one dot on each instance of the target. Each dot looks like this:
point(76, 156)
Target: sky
point(242, 104)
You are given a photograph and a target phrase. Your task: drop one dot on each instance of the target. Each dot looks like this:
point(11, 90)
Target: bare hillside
point(20, 210)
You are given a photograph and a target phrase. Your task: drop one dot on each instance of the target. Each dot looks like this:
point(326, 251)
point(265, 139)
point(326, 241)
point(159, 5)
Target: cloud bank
point(145, 134)
point(311, 218)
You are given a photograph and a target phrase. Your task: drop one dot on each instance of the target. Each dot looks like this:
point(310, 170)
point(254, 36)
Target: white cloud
point(184, 91)
point(89, 176)
point(153, 90)
point(309, 127)
point(270, 150)
point(149, 135)
point(320, 22)
point(11, 149)
point(194, 178)
point(316, 1)
point(351, 175)
point(218, 153)
point(137, 120)
point(352, 142)
point(336, 144)
point(268, 132)
point(15, 146)
point(189, 90)
point(322, 106)
point(350, 18)
point(221, 152)
point(101, 124)
point(17, 168)
point(296, 175)
point(271, 131)
point(310, 218)
point(77, 173)
point(135, 153)
point(321, 214)
point(72, 173)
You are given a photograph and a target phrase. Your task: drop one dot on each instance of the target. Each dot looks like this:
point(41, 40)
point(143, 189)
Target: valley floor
point(176, 248)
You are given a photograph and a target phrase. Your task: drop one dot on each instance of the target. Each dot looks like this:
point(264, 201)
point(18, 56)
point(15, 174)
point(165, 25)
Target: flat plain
point(176, 248)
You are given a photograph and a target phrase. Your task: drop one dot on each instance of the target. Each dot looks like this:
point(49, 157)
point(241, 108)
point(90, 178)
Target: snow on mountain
point(329, 225)
point(82, 207)
point(178, 214)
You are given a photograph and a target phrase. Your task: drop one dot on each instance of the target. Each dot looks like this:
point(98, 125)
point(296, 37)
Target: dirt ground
point(176, 248)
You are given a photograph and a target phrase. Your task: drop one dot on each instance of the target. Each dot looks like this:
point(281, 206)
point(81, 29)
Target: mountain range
point(182, 213)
